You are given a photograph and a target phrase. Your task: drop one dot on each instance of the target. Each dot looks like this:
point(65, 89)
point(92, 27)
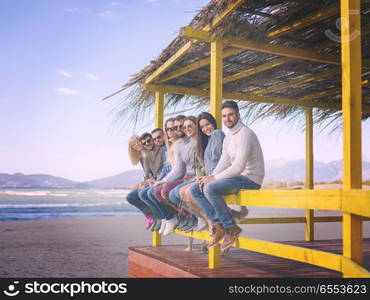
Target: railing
point(353, 201)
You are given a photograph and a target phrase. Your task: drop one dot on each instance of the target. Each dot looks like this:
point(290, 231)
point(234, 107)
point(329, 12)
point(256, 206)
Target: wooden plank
point(310, 228)
point(243, 263)
point(305, 21)
point(197, 65)
point(351, 101)
point(159, 104)
point(247, 44)
point(216, 82)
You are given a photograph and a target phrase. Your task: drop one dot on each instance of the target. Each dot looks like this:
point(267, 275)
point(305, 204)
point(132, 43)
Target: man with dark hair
point(153, 163)
point(241, 166)
point(157, 135)
point(179, 130)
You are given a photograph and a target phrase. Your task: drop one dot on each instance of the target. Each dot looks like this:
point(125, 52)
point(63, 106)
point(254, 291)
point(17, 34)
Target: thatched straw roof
point(253, 20)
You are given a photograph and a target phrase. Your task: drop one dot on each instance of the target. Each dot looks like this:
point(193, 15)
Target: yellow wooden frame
point(352, 201)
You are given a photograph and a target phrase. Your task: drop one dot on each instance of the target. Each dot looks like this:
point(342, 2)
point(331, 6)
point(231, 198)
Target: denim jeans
point(174, 195)
point(133, 198)
point(211, 199)
point(160, 209)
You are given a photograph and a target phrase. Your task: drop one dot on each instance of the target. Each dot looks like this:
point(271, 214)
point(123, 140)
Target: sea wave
point(48, 205)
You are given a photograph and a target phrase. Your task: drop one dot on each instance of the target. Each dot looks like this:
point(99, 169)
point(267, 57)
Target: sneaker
point(184, 221)
point(163, 226)
point(192, 224)
point(153, 225)
point(239, 216)
point(218, 233)
point(157, 225)
point(170, 225)
point(231, 235)
point(202, 224)
point(149, 222)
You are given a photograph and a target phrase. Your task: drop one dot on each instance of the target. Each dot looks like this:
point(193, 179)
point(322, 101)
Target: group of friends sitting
point(189, 167)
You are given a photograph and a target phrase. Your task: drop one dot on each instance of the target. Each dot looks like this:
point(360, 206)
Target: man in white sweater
point(241, 166)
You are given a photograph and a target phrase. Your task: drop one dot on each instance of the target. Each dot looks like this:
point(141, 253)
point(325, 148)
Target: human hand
point(206, 179)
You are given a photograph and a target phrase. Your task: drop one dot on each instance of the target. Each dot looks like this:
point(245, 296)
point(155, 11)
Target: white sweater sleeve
point(242, 151)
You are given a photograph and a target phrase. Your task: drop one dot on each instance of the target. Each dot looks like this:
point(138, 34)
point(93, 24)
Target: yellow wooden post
point(156, 239)
point(159, 102)
point(216, 81)
point(214, 255)
point(351, 102)
point(309, 172)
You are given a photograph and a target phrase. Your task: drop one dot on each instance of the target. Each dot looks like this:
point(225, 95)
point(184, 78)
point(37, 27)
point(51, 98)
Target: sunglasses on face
point(179, 127)
point(157, 138)
point(147, 142)
point(170, 129)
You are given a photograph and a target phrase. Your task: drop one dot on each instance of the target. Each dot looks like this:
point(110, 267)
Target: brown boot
point(217, 233)
point(231, 235)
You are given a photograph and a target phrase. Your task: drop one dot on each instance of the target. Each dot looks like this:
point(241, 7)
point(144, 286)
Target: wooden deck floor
point(172, 261)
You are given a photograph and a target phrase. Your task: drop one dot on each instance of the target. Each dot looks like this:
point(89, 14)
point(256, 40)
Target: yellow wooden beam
point(280, 50)
point(352, 270)
point(159, 104)
point(156, 239)
point(309, 233)
point(263, 47)
point(356, 202)
point(350, 201)
point(216, 82)
point(310, 256)
point(184, 49)
point(305, 21)
point(351, 101)
point(196, 65)
point(232, 51)
point(243, 97)
point(286, 220)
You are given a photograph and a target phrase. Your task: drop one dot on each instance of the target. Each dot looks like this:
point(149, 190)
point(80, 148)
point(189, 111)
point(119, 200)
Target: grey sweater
point(183, 160)
point(213, 151)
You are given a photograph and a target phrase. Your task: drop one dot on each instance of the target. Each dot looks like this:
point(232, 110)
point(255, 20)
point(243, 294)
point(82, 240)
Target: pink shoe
point(149, 221)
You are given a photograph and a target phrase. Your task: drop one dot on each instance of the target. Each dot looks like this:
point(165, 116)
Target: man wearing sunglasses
point(152, 165)
point(157, 135)
point(179, 123)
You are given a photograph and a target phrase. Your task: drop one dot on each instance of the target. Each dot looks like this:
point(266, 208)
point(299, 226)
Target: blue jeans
point(133, 198)
point(174, 195)
point(211, 199)
point(161, 210)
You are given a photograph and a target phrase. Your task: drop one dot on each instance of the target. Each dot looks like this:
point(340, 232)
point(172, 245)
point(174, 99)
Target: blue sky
point(58, 59)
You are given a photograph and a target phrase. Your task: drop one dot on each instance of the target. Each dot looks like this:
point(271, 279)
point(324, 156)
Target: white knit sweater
point(241, 155)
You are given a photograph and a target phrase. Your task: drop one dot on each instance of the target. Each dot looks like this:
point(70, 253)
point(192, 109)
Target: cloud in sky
point(105, 14)
point(73, 10)
point(91, 76)
point(64, 73)
point(67, 91)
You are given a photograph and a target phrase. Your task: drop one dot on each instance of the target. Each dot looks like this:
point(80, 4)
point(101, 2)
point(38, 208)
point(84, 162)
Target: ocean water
point(41, 204)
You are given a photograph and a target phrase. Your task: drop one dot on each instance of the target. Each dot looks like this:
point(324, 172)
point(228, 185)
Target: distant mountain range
point(279, 170)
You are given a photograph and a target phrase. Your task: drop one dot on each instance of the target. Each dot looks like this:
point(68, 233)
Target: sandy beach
point(98, 247)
